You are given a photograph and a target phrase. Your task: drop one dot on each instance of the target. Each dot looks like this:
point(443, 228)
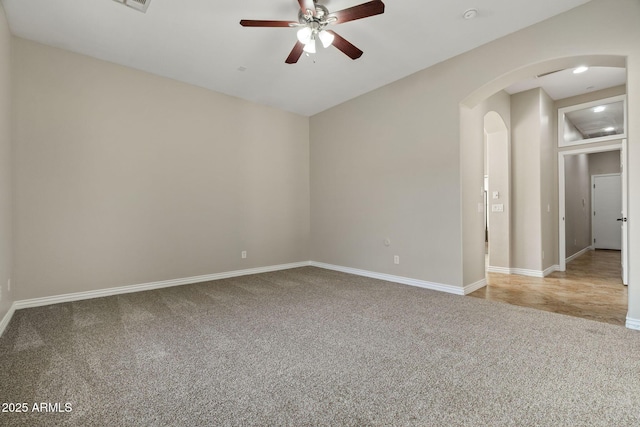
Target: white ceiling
point(564, 83)
point(201, 42)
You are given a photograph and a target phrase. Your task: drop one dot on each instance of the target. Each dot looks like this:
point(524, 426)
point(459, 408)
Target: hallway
point(591, 288)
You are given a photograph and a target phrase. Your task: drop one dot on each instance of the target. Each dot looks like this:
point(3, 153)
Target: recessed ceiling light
point(470, 13)
point(599, 109)
point(580, 69)
point(609, 129)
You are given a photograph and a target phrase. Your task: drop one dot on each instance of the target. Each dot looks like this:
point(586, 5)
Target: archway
point(498, 191)
point(472, 113)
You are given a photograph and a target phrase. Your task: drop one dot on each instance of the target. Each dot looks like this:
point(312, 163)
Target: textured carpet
point(314, 347)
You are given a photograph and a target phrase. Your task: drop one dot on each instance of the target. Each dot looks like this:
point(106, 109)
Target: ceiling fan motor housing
point(321, 17)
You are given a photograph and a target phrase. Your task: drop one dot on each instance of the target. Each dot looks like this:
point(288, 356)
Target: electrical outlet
point(396, 259)
point(243, 254)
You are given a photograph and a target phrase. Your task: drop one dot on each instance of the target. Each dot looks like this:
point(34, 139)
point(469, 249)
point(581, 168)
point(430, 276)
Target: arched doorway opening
point(498, 192)
point(542, 254)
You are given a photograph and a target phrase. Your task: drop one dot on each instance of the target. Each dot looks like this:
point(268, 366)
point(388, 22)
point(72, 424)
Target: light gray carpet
point(314, 347)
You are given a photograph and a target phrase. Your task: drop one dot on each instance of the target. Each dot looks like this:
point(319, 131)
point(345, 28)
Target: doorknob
point(622, 219)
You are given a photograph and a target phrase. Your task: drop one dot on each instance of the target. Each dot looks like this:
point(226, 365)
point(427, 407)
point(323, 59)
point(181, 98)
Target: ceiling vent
point(549, 73)
point(140, 5)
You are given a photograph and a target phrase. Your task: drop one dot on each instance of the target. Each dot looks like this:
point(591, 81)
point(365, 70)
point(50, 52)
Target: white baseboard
point(37, 302)
point(580, 252)
point(7, 318)
point(475, 286)
point(526, 272)
point(523, 271)
point(56, 299)
point(391, 278)
point(501, 270)
point(550, 270)
point(633, 323)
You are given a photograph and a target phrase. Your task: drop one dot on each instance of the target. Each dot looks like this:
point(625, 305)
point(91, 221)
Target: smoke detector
point(139, 5)
point(470, 13)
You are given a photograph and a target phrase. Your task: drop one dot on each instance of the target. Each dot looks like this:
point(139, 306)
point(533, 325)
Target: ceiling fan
point(313, 18)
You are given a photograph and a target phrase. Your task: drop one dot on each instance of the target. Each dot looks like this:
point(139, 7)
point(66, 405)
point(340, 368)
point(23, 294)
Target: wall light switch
point(496, 195)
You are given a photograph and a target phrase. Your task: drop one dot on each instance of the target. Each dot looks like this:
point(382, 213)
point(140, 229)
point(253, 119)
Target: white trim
point(475, 286)
point(77, 296)
point(579, 253)
point(391, 278)
point(7, 318)
point(633, 323)
point(625, 209)
point(527, 272)
point(501, 270)
point(561, 116)
point(37, 302)
point(550, 270)
point(523, 271)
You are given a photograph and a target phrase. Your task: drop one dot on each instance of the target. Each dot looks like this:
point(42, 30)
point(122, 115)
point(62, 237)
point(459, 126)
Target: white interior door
point(607, 208)
point(623, 217)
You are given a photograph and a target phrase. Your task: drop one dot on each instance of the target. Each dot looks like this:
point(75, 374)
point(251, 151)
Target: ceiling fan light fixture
point(312, 20)
point(310, 47)
point(326, 38)
point(304, 35)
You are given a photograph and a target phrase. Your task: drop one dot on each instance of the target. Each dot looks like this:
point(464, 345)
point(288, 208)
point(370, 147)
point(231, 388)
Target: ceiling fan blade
point(307, 5)
point(345, 46)
point(363, 10)
point(259, 23)
point(295, 54)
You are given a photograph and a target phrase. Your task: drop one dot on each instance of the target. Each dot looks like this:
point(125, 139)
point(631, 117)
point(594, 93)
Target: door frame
point(613, 146)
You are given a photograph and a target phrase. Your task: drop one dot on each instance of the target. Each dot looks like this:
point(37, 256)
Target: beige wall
point(603, 163)
point(6, 298)
point(548, 182)
point(124, 178)
point(405, 161)
point(591, 96)
point(577, 203)
point(383, 166)
point(526, 229)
